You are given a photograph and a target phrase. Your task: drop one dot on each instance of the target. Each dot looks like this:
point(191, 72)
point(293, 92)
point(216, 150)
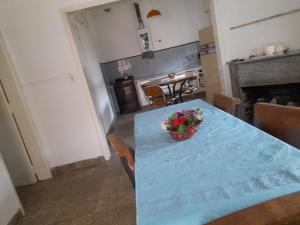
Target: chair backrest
point(280, 121)
point(125, 153)
point(156, 95)
point(227, 104)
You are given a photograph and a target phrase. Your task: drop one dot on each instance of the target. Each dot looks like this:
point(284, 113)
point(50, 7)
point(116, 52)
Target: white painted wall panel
point(35, 29)
point(179, 23)
point(63, 119)
point(43, 57)
point(240, 42)
point(116, 31)
point(80, 4)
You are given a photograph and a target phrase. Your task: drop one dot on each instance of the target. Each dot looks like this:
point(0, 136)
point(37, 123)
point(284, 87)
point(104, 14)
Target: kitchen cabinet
point(126, 95)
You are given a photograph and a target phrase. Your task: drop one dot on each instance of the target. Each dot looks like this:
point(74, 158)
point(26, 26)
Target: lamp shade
point(153, 13)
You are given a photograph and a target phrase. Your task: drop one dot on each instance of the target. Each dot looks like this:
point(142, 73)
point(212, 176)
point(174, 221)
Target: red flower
point(176, 122)
point(179, 120)
point(191, 130)
point(184, 119)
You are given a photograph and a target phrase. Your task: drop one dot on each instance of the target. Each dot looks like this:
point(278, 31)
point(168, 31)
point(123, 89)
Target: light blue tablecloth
point(228, 165)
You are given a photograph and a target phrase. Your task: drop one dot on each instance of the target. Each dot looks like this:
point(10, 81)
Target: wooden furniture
point(156, 96)
point(178, 79)
point(280, 211)
point(280, 121)
point(125, 153)
point(235, 167)
point(126, 95)
point(209, 62)
point(226, 103)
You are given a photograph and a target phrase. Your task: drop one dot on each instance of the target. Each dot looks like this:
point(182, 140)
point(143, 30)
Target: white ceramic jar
point(269, 49)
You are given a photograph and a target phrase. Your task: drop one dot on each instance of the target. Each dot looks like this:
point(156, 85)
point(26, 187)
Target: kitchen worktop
point(165, 75)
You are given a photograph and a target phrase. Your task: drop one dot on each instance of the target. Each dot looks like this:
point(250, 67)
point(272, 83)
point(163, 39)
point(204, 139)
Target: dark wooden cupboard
point(126, 95)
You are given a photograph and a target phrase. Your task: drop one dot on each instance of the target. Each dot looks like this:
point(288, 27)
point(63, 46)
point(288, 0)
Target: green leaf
point(169, 127)
point(181, 128)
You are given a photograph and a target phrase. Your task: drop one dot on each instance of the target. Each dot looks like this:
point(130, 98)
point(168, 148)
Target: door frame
point(23, 117)
point(98, 123)
point(13, 129)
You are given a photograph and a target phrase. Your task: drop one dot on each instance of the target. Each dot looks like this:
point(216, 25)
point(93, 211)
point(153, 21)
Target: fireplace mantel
point(263, 71)
point(281, 69)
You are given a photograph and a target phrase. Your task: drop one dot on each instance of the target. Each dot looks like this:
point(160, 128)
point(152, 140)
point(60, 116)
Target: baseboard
point(77, 165)
point(16, 218)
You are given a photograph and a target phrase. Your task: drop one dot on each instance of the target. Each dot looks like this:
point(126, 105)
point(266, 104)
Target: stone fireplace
point(274, 79)
point(285, 94)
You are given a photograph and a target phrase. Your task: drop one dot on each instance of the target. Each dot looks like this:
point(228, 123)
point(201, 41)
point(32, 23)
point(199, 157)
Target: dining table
point(228, 165)
point(180, 79)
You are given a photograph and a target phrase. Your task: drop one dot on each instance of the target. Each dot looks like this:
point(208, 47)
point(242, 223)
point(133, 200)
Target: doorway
point(83, 39)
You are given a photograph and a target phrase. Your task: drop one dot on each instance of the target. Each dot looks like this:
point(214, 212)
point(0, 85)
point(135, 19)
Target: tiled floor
point(99, 195)
point(92, 196)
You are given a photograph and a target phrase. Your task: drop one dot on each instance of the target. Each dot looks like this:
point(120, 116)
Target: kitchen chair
point(125, 153)
point(157, 96)
point(280, 121)
point(227, 104)
point(189, 88)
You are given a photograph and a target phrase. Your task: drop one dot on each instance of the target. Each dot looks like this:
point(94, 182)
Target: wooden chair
point(227, 104)
point(280, 121)
point(125, 153)
point(156, 96)
point(280, 211)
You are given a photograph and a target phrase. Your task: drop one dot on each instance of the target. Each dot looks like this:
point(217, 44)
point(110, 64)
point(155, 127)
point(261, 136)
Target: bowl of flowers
point(184, 124)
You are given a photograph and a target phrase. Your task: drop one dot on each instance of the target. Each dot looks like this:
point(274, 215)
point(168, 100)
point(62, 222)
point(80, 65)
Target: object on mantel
point(269, 50)
point(126, 95)
point(264, 57)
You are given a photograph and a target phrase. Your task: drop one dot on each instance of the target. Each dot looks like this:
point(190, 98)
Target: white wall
point(116, 30)
point(51, 80)
point(82, 31)
point(9, 201)
point(72, 5)
point(240, 42)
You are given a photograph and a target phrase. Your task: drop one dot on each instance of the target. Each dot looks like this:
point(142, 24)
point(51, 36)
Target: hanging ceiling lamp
point(153, 12)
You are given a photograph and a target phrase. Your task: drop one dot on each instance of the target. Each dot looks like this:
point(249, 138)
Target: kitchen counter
point(165, 75)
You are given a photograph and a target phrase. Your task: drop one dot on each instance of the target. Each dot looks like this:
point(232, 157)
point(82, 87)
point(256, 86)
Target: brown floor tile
point(97, 195)
point(88, 196)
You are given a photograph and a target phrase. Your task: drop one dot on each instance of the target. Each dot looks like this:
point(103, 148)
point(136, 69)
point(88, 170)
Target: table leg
point(169, 88)
point(180, 91)
point(174, 91)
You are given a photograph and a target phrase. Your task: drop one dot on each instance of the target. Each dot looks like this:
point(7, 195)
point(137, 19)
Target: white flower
point(163, 126)
point(198, 117)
